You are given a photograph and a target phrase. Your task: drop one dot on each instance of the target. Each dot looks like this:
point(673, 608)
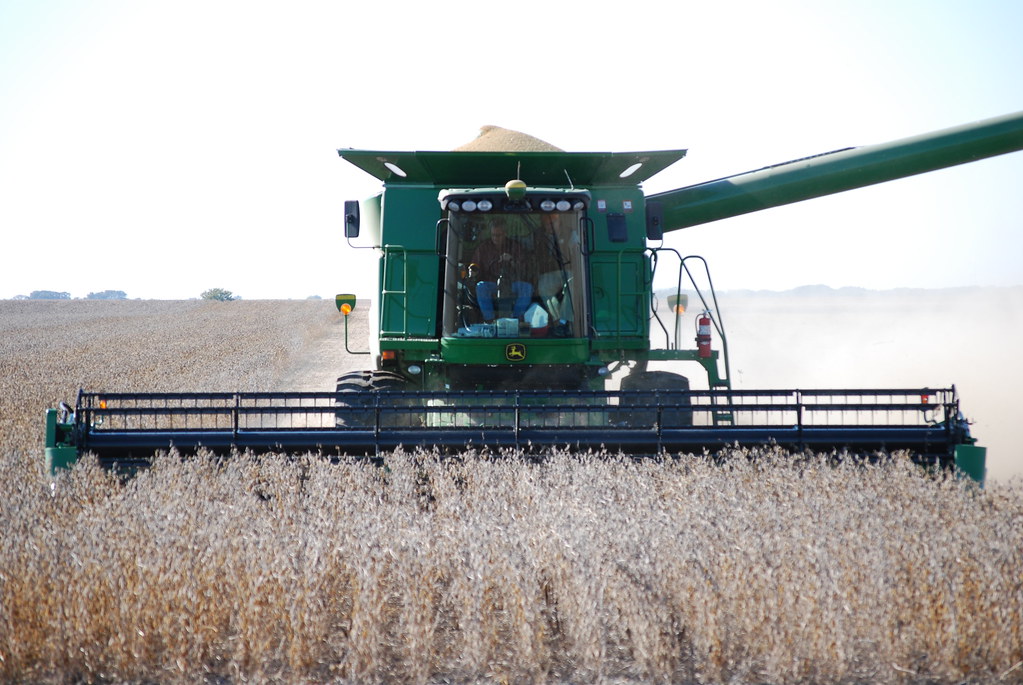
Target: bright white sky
point(163, 148)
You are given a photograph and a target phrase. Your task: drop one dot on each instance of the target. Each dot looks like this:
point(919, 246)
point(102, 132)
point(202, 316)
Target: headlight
point(564, 205)
point(468, 206)
point(630, 170)
point(547, 205)
point(484, 205)
point(453, 206)
point(395, 169)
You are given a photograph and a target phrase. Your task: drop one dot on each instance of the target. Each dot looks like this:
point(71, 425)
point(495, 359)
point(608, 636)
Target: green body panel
point(620, 280)
point(60, 454)
point(709, 364)
point(971, 461)
point(620, 297)
point(410, 267)
point(614, 346)
point(58, 458)
point(493, 351)
point(424, 345)
point(408, 304)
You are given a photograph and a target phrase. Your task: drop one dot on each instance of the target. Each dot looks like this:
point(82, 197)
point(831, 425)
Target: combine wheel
point(357, 388)
point(674, 414)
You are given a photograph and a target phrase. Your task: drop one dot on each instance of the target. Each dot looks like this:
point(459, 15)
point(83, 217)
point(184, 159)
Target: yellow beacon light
point(345, 303)
point(515, 189)
point(678, 303)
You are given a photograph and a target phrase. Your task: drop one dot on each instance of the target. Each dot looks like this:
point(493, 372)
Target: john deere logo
point(515, 352)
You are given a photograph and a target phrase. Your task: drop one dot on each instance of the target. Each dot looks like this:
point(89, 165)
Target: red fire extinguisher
point(703, 335)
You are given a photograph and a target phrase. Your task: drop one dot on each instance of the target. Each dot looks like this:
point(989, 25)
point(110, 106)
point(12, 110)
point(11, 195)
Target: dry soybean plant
point(497, 568)
point(756, 567)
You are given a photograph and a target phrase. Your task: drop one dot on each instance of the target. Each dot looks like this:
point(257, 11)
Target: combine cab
point(516, 309)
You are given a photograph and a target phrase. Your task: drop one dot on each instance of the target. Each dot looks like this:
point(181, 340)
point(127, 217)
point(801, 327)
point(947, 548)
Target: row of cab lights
point(487, 205)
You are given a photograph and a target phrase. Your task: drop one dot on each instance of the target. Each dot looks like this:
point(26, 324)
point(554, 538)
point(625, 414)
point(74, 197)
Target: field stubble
point(481, 568)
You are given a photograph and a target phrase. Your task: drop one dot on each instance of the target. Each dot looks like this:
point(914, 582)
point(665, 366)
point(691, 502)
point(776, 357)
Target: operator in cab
point(503, 272)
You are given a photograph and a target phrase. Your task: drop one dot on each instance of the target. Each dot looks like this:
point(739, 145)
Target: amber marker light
point(346, 309)
point(678, 303)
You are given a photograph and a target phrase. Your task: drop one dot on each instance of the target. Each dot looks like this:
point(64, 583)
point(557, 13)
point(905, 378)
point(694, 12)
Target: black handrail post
point(660, 419)
point(518, 418)
point(799, 416)
point(234, 417)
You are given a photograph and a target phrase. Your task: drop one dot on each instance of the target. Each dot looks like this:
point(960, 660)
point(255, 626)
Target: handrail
point(715, 313)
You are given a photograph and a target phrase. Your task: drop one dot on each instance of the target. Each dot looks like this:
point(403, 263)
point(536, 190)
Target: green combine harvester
point(516, 310)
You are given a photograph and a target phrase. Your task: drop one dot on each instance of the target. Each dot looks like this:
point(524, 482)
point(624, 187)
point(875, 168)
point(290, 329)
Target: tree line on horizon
point(220, 294)
point(60, 295)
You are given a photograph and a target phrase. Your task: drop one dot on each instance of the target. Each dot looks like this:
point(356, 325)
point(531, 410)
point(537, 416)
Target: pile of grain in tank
point(497, 139)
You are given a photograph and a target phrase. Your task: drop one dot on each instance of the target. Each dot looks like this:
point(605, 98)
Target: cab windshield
point(514, 275)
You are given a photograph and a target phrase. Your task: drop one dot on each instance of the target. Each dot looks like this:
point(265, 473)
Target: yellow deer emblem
point(515, 352)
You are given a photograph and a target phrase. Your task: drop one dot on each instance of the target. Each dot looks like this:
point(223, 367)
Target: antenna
point(571, 185)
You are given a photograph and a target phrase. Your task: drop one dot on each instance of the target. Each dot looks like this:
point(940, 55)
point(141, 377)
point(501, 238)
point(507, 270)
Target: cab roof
point(556, 169)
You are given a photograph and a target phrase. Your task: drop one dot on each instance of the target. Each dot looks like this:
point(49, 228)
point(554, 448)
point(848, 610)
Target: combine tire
point(674, 416)
point(356, 389)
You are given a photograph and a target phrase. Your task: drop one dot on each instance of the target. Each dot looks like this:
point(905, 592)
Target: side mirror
point(654, 221)
point(351, 218)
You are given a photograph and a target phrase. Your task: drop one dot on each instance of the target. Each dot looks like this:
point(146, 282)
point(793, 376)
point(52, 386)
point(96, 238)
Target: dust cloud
point(817, 337)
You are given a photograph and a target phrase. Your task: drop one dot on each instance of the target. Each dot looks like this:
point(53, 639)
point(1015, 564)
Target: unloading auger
point(515, 309)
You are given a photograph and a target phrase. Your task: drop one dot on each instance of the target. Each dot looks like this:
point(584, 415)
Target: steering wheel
point(501, 268)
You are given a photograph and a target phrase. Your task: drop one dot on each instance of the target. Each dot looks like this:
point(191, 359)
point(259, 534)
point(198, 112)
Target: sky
point(163, 148)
